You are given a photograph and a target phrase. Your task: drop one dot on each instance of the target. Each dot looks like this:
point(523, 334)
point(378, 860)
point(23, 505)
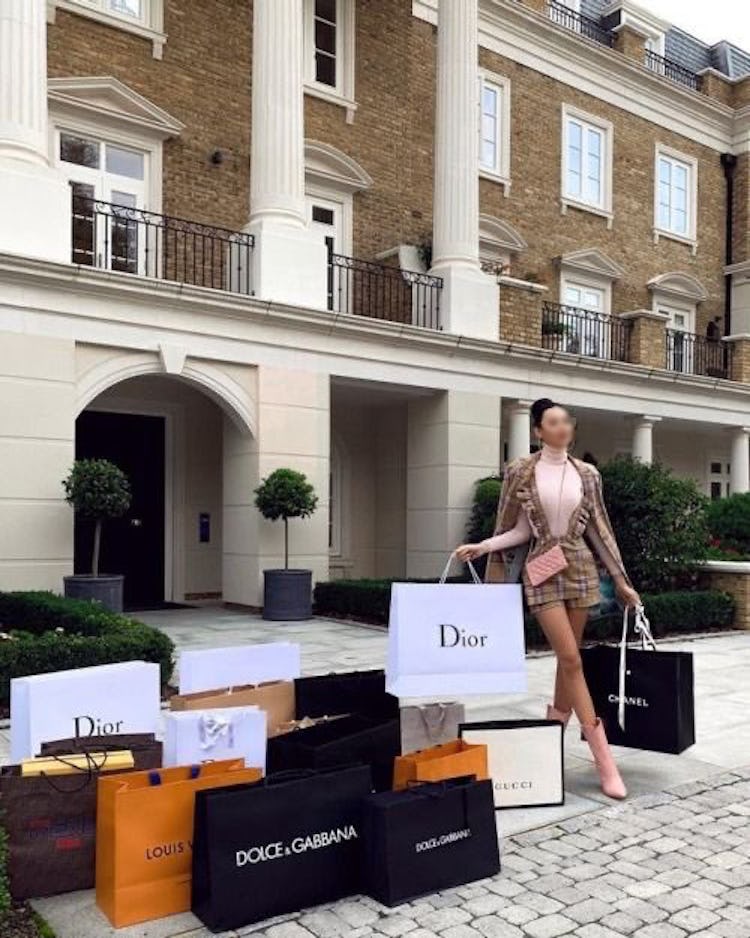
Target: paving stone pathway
point(672, 860)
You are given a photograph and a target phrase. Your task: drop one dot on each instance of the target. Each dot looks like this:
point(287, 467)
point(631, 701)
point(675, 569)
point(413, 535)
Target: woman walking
point(556, 500)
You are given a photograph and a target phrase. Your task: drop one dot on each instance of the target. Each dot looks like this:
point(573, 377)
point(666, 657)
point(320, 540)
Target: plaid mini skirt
point(576, 585)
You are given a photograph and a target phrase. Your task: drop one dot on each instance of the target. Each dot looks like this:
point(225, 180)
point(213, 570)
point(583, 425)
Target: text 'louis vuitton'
point(278, 849)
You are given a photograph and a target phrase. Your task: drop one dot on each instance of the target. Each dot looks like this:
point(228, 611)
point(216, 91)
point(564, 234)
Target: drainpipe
point(728, 163)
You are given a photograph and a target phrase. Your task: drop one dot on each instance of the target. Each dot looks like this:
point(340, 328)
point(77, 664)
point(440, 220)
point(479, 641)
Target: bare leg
point(578, 617)
point(557, 627)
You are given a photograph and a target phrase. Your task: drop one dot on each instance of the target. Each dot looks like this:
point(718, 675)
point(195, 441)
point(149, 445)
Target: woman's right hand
point(470, 551)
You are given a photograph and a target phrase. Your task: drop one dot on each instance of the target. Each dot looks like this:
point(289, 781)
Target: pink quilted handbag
point(543, 566)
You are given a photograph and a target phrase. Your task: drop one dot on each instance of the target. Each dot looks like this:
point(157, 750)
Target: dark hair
point(539, 406)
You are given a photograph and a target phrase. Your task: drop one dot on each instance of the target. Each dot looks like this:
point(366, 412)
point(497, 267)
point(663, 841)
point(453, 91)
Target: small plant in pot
point(287, 593)
point(97, 489)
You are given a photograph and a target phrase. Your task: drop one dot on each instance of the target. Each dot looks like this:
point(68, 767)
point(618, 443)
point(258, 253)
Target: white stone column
point(469, 304)
point(290, 260)
point(35, 199)
point(739, 473)
point(643, 439)
point(519, 430)
point(453, 439)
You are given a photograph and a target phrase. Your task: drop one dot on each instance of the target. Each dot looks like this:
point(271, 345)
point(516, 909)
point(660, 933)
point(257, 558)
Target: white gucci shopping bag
point(202, 669)
point(105, 700)
point(455, 638)
point(524, 758)
point(194, 736)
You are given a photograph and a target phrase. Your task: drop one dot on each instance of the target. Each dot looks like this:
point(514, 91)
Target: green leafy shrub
point(42, 632)
point(659, 521)
point(483, 513)
point(678, 611)
point(97, 489)
point(285, 494)
point(729, 523)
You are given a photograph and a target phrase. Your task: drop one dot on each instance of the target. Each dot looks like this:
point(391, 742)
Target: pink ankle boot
point(562, 715)
point(611, 782)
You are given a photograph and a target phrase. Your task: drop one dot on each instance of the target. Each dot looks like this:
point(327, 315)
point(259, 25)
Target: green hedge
point(52, 633)
point(678, 611)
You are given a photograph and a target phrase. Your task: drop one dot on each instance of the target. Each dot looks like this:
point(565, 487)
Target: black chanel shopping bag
point(524, 758)
point(644, 695)
point(353, 738)
point(344, 692)
point(278, 845)
point(428, 837)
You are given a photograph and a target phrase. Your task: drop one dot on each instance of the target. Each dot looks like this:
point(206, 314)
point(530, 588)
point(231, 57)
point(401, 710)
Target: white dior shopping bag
point(101, 701)
point(455, 638)
point(202, 669)
point(524, 758)
point(193, 736)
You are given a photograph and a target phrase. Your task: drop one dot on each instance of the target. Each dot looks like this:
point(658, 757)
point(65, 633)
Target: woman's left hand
point(627, 594)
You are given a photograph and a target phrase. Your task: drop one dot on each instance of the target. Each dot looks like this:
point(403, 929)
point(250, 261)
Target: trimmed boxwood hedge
point(52, 633)
point(678, 611)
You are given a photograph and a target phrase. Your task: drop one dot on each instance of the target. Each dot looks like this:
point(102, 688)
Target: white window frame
point(604, 208)
point(723, 477)
point(149, 26)
point(686, 355)
point(691, 238)
point(579, 279)
point(500, 172)
point(343, 93)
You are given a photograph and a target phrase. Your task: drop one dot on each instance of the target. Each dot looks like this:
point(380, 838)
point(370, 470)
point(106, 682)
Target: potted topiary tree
point(287, 593)
point(97, 489)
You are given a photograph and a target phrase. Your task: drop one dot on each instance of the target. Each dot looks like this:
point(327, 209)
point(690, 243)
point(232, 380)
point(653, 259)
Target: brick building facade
point(376, 244)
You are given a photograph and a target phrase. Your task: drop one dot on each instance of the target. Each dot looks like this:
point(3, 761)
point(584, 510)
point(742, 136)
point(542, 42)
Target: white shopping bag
point(193, 736)
point(455, 638)
point(203, 669)
point(524, 758)
point(101, 701)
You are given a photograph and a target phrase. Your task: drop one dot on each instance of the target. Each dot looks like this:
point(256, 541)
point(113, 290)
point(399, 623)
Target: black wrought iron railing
point(134, 241)
point(697, 354)
point(671, 69)
point(365, 288)
point(579, 23)
point(585, 332)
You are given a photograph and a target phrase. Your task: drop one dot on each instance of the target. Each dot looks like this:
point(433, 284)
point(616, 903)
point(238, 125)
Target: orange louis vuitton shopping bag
point(144, 834)
point(448, 760)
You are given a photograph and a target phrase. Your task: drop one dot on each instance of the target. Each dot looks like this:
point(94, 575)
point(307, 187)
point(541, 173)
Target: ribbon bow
point(642, 628)
point(213, 728)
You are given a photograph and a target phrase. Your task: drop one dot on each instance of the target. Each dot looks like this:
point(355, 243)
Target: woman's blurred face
point(557, 427)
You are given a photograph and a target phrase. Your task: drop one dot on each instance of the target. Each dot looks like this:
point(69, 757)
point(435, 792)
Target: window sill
point(499, 178)
point(692, 243)
point(156, 37)
point(566, 202)
point(332, 97)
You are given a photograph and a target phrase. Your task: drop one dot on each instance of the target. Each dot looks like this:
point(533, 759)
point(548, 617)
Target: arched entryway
point(169, 434)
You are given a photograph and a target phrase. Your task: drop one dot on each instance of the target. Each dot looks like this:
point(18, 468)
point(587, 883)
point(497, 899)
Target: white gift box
point(202, 669)
point(192, 736)
point(99, 701)
point(455, 638)
point(524, 758)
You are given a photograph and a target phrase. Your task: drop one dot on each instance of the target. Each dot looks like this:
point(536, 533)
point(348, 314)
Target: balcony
point(570, 19)
point(584, 332)
point(365, 288)
point(697, 355)
point(146, 244)
point(671, 69)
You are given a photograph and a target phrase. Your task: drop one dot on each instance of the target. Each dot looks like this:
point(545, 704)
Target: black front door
point(133, 544)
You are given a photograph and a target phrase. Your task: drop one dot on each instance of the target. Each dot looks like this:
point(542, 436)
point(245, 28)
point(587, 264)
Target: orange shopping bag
point(144, 835)
point(448, 760)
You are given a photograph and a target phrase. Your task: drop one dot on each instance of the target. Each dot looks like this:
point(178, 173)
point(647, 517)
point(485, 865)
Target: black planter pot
point(287, 594)
point(107, 589)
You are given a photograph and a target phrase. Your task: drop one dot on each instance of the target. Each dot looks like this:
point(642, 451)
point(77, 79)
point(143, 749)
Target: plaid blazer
point(516, 495)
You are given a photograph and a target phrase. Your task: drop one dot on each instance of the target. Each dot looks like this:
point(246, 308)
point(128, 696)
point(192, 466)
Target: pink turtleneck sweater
point(548, 475)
